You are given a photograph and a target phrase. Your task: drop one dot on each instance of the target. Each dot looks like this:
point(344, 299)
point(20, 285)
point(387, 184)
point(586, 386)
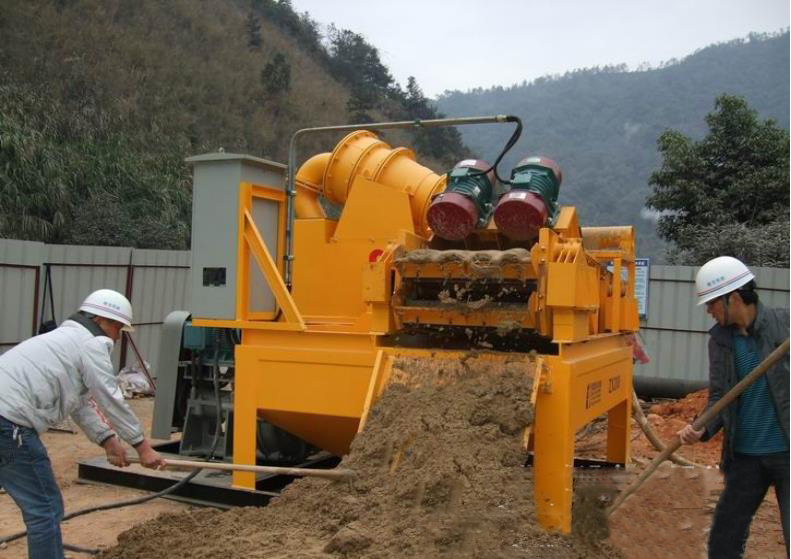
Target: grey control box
point(215, 231)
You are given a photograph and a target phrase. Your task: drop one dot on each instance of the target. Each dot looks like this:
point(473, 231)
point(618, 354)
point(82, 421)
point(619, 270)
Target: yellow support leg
point(245, 424)
point(553, 458)
point(618, 432)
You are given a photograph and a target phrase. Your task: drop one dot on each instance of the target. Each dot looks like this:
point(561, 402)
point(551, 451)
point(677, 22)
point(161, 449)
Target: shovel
point(336, 474)
point(702, 420)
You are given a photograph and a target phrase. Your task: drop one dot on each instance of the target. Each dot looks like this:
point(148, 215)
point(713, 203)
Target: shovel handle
point(701, 421)
point(335, 474)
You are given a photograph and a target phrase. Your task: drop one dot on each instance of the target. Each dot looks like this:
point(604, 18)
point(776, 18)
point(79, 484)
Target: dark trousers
point(746, 482)
point(26, 474)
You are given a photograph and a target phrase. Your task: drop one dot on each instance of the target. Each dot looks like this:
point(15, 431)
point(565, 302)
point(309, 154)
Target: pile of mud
point(685, 409)
point(480, 258)
point(439, 474)
point(668, 418)
point(668, 516)
point(475, 263)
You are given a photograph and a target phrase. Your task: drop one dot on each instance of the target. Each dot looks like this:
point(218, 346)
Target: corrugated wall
point(160, 284)
point(675, 330)
point(19, 275)
point(157, 282)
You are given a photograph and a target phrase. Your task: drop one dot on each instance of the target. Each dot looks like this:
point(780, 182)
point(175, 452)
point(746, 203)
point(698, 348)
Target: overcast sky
point(464, 44)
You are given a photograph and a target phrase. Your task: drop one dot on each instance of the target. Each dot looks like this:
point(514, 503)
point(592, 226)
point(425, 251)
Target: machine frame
point(317, 364)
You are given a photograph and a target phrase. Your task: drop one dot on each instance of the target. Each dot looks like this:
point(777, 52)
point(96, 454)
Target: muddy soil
point(667, 518)
point(439, 474)
point(478, 263)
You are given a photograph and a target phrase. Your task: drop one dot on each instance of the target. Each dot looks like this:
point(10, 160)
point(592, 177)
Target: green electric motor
point(532, 201)
point(466, 203)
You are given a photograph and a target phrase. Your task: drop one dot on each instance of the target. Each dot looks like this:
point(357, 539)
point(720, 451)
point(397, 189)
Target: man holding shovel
point(755, 452)
point(50, 377)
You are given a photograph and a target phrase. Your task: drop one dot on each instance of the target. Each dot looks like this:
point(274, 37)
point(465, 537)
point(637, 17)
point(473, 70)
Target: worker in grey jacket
point(755, 452)
point(64, 373)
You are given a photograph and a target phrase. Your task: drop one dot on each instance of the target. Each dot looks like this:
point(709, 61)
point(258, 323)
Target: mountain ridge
point(601, 124)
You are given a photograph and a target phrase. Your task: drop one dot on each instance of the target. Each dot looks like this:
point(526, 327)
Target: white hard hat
point(109, 304)
point(719, 276)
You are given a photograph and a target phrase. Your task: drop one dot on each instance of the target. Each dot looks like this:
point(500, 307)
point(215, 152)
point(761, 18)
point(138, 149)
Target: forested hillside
point(601, 125)
point(101, 101)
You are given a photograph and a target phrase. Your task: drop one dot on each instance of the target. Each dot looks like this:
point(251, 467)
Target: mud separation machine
point(417, 263)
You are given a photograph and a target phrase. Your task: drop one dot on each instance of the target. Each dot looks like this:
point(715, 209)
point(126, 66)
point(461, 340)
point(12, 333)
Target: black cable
point(145, 498)
point(78, 549)
point(511, 142)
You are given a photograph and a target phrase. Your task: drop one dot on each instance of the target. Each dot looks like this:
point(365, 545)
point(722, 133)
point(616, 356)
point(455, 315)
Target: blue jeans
point(747, 480)
point(26, 475)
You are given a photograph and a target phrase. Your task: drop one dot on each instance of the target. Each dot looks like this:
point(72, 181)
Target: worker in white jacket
point(64, 373)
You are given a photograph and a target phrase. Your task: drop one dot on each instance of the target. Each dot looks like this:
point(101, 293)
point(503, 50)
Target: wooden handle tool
point(335, 474)
point(701, 421)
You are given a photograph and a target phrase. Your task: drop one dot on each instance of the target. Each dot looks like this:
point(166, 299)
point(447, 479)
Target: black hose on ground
point(78, 549)
point(145, 498)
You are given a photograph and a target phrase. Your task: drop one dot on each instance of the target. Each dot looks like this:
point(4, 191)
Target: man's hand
point(116, 455)
point(688, 435)
point(149, 458)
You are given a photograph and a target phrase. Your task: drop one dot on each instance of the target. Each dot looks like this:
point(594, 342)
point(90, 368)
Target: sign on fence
point(641, 275)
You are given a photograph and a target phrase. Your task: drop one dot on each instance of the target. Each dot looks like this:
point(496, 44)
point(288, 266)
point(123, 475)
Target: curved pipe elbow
point(309, 183)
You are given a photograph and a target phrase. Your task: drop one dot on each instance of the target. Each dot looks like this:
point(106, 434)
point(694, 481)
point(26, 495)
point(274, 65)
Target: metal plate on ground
point(209, 487)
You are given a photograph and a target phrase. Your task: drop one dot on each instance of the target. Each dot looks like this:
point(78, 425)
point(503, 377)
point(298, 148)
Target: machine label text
point(592, 394)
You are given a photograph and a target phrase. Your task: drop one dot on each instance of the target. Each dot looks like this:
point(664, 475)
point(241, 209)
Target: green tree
point(443, 144)
point(727, 193)
point(276, 75)
point(254, 40)
point(65, 178)
point(33, 194)
point(356, 63)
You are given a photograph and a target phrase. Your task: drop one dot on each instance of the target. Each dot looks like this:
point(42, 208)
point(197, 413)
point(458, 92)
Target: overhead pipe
point(291, 179)
point(309, 187)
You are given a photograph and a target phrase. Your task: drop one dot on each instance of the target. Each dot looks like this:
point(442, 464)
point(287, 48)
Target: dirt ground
point(438, 474)
point(670, 514)
point(97, 530)
point(667, 518)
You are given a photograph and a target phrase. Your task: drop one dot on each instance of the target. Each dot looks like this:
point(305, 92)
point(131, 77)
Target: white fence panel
point(160, 285)
point(158, 282)
point(675, 330)
point(19, 277)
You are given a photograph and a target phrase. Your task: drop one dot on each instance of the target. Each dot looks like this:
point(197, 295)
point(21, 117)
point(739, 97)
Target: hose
point(511, 142)
point(652, 437)
point(78, 549)
point(145, 498)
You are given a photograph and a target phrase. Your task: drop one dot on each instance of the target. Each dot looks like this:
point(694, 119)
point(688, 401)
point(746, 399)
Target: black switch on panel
point(213, 277)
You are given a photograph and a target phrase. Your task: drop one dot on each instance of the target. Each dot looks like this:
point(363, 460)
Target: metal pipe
point(657, 387)
point(292, 160)
point(140, 360)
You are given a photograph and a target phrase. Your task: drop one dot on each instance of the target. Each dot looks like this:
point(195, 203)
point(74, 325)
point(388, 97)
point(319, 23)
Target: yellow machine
point(315, 361)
